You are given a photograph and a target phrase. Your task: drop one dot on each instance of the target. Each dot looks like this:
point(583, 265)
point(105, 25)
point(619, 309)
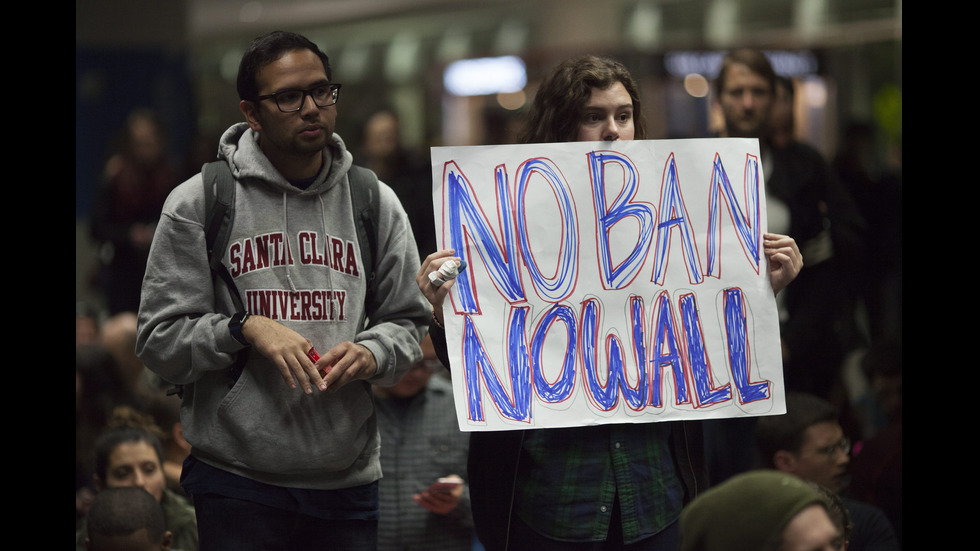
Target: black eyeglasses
point(289, 101)
point(841, 446)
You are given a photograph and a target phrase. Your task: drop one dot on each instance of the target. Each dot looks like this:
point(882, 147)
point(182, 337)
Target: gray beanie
point(748, 512)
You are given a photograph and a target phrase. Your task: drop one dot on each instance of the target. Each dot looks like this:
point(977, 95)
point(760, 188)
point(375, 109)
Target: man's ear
point(250, 111)
point(167, 540)
point(784, 461)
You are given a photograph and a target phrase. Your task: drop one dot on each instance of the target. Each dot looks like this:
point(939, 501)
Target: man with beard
point(285, 448)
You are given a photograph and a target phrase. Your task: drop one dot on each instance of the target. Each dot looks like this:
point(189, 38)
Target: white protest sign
point(607, 282)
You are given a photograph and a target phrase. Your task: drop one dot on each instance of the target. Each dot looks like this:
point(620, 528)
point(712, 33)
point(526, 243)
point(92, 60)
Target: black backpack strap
point(219, 212)
point(366, 205)
point(219, 203)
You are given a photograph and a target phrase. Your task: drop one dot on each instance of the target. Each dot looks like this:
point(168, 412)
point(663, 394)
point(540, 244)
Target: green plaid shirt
point(569, 479)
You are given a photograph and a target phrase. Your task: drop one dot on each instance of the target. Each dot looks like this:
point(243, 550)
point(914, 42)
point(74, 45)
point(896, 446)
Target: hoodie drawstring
point(323, 232)
point(285, 224)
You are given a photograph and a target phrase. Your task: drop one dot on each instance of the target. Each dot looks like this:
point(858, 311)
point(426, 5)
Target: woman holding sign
point(611, 486)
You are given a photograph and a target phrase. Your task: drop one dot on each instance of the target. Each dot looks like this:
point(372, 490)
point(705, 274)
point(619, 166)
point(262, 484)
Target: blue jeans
point(225, 523)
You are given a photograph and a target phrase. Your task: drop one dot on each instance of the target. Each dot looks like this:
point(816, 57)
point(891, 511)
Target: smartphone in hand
point(446, 484)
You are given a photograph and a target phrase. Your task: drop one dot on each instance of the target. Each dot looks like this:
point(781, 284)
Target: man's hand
point(346, 362)
point(441, 497)
point(286, 349)
point(785, 260)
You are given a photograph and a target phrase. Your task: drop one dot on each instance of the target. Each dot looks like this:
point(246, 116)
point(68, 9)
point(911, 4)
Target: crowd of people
point(334, 427)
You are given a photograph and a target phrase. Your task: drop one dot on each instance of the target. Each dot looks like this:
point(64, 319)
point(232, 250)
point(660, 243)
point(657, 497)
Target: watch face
point(235, 326)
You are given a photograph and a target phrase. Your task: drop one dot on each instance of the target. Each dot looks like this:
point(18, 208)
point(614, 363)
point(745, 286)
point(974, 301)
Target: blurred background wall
point(179, 58)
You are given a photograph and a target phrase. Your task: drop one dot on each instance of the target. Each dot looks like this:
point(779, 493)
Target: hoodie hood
point(239, 147)
point(294, 258)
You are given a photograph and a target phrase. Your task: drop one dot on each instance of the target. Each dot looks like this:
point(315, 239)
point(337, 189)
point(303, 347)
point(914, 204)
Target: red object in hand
point(315, 357)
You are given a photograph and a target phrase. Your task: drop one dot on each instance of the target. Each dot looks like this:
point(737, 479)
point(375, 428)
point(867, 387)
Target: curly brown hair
point(556, 111)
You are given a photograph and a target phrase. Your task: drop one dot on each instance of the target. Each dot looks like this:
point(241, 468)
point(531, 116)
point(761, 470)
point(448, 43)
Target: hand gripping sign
point(607, 282)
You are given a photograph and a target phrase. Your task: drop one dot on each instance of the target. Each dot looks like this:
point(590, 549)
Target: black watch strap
point(235, 326)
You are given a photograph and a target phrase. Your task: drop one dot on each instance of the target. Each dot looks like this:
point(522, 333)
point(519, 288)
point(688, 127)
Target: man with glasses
point(285, 451)
point(809, 442)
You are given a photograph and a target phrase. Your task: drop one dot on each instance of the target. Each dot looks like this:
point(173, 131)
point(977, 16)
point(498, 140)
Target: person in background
point(127, 207)
point(100, 387)
point(877, 190)
point(806, 200)
point(166, 415)
point(761, 510)
point(284, 447)
point(407, 172)
point(610, 486)
point(809, 442)
point(876, 468)
point(129, 454)
point(425, 501)
point(118, 336)
point(126, 519)
point(88, 324)
point(782, 118)
point(838, 514)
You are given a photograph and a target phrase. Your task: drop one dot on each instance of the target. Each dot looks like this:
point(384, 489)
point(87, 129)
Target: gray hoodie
point(295, 258)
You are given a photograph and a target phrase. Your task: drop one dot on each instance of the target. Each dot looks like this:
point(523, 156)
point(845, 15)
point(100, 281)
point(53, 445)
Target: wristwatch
point(236, 324)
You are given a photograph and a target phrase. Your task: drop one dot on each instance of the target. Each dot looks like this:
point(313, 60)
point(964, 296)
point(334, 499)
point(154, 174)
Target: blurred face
point(810, 530)
point(381, 136)
point(417, 377)
point(746, 102)
point(86, 330)
point(824, 456)
point(781, 119)
point(145, 141)
point(294, 141)
point(607, 116)
point(136, 464)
